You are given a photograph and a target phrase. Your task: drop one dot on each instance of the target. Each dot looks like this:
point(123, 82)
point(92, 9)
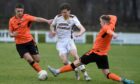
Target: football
point(42, 75)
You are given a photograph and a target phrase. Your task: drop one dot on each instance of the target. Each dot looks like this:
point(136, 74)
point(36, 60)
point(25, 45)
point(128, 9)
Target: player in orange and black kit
point(98, 53)
point(19, 28)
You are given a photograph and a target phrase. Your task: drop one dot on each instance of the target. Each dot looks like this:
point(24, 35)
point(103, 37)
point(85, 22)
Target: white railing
point(123, 38)
point(4, 36)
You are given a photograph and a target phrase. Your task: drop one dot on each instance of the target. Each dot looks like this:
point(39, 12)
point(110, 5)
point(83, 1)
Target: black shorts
point(101, 61)
point(30, 47)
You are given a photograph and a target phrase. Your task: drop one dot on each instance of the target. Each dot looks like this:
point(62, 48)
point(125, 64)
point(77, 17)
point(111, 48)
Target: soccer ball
point(42, 75)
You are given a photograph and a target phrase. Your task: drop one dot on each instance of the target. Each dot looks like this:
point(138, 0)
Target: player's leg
point(41, 73)
point(24, 52)
point(33, 50)
point(81, 67)
point(64, 58)
point(36, 58)
point(73, 51)
point(115, 77)
point(111, 75)
point(63, 52)
point(85, 59)
point(62, 48)
point(66, 68)
point(31, 61)
point(103, 64)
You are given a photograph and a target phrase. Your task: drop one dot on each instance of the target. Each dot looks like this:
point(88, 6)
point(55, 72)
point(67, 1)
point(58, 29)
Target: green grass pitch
point(124, 61)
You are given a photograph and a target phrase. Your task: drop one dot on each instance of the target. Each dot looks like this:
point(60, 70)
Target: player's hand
point(115, 35)
point(50, 21)
point(52, 34)
point(14, 34)
point(77, 34)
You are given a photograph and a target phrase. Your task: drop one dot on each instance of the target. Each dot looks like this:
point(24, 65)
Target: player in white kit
point(62, 26)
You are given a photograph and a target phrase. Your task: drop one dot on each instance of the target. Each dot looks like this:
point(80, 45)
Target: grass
point(124, 61)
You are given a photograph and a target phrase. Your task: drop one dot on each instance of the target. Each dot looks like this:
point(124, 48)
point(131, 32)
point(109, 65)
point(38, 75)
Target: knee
point(28, 58)
point(66, 62)
point(77, 62)
point(37, 60)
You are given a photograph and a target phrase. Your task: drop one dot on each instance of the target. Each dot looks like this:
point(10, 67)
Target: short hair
point(105, 18)
point(65, 6)
point(19, 5)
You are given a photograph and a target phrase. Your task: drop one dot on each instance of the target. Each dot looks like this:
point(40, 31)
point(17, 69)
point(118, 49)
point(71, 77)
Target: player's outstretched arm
point(39, 19)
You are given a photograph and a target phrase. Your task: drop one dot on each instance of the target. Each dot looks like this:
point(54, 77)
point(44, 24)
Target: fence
point(123, 38)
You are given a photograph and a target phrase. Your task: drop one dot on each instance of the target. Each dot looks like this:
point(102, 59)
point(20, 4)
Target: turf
point(124, 61)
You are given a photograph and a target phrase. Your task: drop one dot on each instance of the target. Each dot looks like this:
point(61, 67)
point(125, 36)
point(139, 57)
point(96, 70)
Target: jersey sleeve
point(54, 21)
point(30, 17)
point(76, 21)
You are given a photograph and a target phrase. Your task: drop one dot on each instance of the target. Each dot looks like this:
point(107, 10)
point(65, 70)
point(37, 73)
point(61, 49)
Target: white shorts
point(65, 45)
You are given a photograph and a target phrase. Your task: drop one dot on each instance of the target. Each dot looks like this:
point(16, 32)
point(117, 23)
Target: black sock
point(31, 63)
point(73, 66)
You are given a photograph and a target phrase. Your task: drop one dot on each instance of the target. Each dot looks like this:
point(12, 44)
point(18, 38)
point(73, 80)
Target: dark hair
point(65, 6)
point(19, 5)
point(106, 18)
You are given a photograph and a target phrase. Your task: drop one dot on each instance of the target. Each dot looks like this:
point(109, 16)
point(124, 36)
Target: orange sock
point(36, 67)
point(114, 77)
point(66, 68)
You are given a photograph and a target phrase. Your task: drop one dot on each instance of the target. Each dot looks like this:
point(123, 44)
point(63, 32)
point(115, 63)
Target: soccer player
point(98, 53)
point(19, 28)
point(62, 26)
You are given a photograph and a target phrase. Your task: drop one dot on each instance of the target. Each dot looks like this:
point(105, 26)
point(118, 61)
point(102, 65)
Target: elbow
point(84, 30)
point(113, 17)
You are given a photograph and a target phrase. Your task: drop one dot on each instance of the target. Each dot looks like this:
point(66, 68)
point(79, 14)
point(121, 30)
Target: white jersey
point(64, 27)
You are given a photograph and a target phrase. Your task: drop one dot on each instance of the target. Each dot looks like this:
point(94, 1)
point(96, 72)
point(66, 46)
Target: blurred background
point(88, 12)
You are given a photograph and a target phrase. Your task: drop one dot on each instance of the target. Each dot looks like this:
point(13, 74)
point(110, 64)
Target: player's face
point(65, 13)
point(19, 12)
